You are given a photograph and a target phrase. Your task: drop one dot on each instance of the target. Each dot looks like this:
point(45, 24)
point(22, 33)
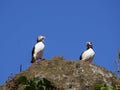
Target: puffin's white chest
point(88, 54)
point(39, 47)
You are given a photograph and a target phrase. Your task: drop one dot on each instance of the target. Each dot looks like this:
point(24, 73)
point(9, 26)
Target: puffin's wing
point(81, 56)
point(33, 51)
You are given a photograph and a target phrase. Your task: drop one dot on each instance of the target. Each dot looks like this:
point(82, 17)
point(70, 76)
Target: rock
point(69, 75)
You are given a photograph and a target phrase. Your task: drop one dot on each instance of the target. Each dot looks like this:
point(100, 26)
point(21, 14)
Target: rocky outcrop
point(69, 74)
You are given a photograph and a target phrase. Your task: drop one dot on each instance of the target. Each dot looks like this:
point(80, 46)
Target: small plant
point(103, 87)
point(35, 84)
point(97, 86)
point(22, 80)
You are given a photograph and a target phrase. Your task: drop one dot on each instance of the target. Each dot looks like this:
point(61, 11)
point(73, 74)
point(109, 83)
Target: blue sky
point(67, 25)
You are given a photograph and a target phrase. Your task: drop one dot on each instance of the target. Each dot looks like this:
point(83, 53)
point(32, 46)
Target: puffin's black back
point(33, 50)
point(80, 58)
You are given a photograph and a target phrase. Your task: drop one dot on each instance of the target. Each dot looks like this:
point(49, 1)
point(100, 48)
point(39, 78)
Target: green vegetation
point(36, 84)
point(103, 87)
point(22, 80)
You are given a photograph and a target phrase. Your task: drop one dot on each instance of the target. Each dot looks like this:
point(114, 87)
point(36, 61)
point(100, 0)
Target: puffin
point(38, 49)
point(88, 54)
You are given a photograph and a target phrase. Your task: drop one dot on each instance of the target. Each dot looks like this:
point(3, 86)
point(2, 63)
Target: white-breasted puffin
point(88, 54)
point(38, 49)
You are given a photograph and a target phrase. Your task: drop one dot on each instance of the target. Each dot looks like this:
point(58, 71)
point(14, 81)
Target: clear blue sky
point(67, 25)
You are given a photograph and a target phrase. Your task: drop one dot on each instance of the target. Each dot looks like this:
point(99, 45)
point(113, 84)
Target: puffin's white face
point(88, 43)
point(40, 38)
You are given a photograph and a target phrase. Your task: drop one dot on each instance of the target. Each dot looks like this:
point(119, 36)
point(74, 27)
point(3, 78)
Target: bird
point(88, 54)
point(38, 49)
